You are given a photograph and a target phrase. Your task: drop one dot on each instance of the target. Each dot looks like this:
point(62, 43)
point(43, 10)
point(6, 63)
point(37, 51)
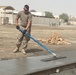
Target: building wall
point(45, 21)
point(6, 16)
point(8, 19)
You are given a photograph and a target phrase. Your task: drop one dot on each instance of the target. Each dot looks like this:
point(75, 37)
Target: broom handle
point(50, 51)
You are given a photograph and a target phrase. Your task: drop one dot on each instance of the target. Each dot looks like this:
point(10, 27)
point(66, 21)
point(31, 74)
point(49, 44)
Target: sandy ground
point(8, 37)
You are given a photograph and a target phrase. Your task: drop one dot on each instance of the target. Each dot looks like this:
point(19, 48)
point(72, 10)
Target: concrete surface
point(33, 64)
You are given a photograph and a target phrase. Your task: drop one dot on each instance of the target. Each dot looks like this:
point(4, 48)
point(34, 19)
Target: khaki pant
point(23, 39)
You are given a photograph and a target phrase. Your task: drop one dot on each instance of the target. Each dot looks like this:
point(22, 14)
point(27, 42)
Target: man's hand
point(17, 27)
point(25, 30)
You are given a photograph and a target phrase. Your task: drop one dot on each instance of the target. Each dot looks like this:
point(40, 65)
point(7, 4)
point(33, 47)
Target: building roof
point(7, 8)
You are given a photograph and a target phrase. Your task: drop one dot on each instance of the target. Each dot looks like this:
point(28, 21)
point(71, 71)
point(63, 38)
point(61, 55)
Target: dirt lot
point(8, 37)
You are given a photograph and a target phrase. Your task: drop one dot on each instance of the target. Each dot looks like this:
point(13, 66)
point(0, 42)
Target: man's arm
point(16, 21)
point(28, 25)
point(29, 21)
point(17, 26)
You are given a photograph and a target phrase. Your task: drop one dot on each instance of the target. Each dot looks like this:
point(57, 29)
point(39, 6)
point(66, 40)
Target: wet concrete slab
point(34, 64)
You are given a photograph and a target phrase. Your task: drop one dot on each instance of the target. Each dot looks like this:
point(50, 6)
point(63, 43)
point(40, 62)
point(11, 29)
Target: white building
point(6, 15)
point(38, 13)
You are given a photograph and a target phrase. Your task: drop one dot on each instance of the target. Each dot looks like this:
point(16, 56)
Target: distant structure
point(38, 14)
point(7, 15)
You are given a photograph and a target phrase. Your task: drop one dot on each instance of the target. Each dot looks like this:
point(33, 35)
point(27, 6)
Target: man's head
point(26, 9)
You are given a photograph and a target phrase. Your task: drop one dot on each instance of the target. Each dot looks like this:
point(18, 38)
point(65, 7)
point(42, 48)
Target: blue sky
point(55, 6)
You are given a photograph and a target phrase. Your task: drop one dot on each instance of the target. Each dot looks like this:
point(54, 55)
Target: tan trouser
point(22, 38)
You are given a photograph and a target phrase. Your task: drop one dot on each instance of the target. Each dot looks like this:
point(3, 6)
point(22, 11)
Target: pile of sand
point(55, 38)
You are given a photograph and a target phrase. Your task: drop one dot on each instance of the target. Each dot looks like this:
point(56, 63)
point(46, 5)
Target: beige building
point(7, 15)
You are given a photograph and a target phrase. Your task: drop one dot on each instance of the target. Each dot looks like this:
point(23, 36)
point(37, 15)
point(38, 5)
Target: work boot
point(16, 50)
point(23, 51)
